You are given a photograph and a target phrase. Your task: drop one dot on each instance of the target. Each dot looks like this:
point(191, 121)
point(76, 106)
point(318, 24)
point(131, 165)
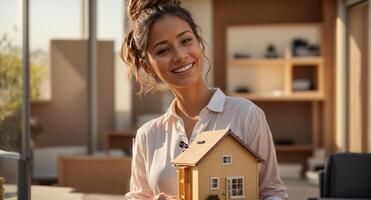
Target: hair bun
point(137, 7)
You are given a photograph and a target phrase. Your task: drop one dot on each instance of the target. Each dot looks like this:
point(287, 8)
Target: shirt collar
point(217, 101)
point(216, 104)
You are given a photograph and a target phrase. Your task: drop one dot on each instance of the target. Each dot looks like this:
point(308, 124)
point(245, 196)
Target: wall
point(64, 117)
point(201, 11)
point(238, 12)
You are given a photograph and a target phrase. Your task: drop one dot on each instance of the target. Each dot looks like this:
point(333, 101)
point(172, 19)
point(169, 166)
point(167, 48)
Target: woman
point(165, 44)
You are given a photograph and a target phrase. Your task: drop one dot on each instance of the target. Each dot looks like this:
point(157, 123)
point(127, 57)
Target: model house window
point(214, 183)
point(235, 187)
point(227, 159)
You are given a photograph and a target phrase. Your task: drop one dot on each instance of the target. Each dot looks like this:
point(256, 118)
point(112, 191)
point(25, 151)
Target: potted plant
point(11, 95)
point(213, 197)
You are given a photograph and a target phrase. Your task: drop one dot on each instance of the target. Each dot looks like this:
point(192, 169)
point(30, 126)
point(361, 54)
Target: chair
point(346, 175)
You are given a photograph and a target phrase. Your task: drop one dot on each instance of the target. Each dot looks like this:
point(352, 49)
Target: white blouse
point(157, 144)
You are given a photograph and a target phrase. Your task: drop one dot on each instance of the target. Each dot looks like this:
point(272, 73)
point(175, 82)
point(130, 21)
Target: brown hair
point(143, 14)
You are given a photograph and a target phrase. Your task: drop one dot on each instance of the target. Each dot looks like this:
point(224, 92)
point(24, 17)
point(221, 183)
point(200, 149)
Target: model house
point(218, 163)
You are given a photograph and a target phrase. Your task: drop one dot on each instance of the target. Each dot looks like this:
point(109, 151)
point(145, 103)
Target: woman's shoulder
point(151, 126)
point(241, 105)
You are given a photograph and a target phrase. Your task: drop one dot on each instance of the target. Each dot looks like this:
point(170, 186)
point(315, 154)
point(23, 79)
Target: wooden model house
point(218, 163)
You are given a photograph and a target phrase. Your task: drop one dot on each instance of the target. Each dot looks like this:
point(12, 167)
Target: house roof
point(203, 143)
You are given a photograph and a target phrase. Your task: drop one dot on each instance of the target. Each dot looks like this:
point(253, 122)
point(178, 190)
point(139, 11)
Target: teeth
point(184, 68)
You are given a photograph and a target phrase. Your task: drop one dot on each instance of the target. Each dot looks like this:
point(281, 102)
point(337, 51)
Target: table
point(39, 192)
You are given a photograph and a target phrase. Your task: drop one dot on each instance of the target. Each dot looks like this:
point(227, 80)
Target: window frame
point(230, 159)
point(217, 183)
point(230, 187)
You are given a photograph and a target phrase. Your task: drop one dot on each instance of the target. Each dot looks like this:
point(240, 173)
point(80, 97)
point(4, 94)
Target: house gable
point(204, 143)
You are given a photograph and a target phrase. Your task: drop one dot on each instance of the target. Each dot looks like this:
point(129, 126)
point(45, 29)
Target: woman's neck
point(190, 101)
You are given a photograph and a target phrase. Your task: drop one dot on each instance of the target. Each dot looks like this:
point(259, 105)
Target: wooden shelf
point(275, 61)
point(256, 61)
point(289, 148)
point(296, 96)
point(306, 60)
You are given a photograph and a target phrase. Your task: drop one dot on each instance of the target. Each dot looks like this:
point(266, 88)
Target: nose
point(179, 54)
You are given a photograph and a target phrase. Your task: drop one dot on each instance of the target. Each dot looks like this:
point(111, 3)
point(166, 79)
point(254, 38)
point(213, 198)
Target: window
point(227, 159)
point(214, 183)
point(235, 187)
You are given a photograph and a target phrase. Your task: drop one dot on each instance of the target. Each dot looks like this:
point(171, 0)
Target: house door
point(185, 183)
point(235, 187)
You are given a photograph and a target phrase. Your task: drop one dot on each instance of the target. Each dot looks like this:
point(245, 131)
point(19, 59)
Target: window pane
point(10, 92)
point(51, 19)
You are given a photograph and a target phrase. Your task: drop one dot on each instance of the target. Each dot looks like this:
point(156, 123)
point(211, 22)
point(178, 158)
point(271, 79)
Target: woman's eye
point(187, 41)
point(162, 52)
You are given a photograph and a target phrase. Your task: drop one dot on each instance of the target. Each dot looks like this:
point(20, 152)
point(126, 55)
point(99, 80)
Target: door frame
point(342, 71)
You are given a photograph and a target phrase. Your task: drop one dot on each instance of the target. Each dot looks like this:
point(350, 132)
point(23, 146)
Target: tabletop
point(57, 193)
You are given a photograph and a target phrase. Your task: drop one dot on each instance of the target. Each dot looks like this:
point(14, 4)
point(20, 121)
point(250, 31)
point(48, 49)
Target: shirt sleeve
point(139, 186)
point(270, 184)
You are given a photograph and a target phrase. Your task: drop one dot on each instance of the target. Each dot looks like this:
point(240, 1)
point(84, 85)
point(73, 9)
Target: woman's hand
point(163, 196)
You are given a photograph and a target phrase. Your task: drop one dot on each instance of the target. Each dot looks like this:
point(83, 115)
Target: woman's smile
point(183, 68)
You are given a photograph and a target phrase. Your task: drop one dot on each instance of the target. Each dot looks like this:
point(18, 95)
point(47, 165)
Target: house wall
point(195, 186)
point(243, 164)
point(64, 117)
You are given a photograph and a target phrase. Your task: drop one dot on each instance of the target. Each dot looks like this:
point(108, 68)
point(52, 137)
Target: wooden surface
point(328, 52)
point(297, 189)
point(298, 96)
point(242, 12)
point(358, 78)
point(39, 192)
point(310, 68)
point(275, 61)
point(87, 174)
point(120, 140)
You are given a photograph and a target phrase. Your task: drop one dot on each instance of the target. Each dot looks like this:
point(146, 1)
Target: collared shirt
point(157, 144)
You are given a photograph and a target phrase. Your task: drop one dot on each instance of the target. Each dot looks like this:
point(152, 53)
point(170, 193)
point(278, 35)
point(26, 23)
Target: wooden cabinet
point(290, 89)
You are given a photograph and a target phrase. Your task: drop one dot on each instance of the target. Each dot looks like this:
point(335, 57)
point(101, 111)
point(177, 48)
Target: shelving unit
point(293, 115)
point(289, 66)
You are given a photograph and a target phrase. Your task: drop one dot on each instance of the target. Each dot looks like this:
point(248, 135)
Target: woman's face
point(174, 53)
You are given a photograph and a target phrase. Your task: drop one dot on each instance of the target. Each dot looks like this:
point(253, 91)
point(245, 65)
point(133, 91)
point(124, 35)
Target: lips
point(183, 68)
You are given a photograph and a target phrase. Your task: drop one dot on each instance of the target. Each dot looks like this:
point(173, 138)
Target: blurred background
point(304, 62)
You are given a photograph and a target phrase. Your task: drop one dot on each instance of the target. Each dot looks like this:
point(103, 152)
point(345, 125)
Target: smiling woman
point(165, 45)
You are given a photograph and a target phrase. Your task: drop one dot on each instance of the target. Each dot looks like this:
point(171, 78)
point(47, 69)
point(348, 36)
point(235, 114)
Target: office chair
point(347, 175)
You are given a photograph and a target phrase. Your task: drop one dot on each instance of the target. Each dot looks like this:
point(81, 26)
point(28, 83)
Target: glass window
point(214, 183)
point(235, 187)
point(227, 159)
